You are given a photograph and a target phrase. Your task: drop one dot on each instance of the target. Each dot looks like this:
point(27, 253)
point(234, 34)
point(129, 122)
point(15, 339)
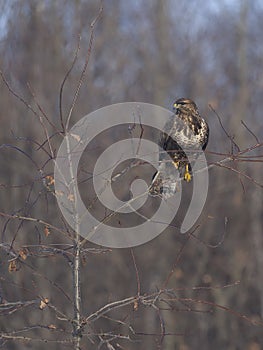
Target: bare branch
point(223, 128)
point(61, 90)
point(83, 73)
point(250, 131)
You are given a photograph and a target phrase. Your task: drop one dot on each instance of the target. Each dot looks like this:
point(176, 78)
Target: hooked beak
point(175, 106)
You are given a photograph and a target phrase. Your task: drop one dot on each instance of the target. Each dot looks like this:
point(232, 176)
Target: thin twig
point(83, 72)
point(111, 306)
point(61, 90)
point(250, 131)
point(223, 128)
point(137, 274)
point(39, 221)
point(42, 122)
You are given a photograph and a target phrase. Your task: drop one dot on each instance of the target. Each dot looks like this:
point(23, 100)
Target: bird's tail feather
point(161, 186)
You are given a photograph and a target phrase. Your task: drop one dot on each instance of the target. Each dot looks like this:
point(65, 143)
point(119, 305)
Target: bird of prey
point(185, 132)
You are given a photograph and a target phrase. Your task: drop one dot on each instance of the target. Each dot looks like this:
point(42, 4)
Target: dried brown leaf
point(136, 305)
point(71, 197)
point(50, 180)
point(52, 326)
point(23, 253)
point(43, 303)
point(14, 265)
point(46, 231)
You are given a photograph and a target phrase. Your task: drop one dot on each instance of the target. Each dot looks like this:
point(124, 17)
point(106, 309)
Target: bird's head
point(184, 105)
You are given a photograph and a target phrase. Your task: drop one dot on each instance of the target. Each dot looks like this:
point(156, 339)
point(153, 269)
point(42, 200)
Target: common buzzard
point(185, 131)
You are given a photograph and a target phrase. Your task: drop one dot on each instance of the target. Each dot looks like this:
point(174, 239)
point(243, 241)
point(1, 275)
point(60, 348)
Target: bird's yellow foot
point(187, 175)
point(176, 164)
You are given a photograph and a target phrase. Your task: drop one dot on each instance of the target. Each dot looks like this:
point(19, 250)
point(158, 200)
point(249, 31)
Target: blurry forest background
point(154, 52)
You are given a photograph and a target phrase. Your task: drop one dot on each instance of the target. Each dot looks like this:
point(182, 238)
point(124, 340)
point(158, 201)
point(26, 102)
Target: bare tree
point(177, 291)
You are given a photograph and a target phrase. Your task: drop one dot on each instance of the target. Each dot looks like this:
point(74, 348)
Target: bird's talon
point(187, 175)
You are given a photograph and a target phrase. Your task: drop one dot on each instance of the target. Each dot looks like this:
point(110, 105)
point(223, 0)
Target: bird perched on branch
point(185, 132)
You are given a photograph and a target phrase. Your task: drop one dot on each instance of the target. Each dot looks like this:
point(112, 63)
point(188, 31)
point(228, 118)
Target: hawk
point(187, 131)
